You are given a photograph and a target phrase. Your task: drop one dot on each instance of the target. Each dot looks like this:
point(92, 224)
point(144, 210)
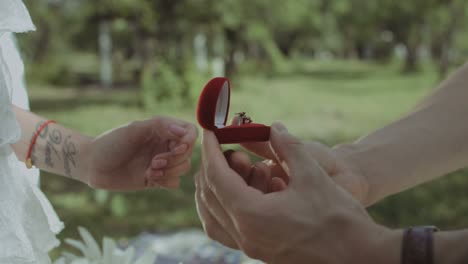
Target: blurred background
point(331, 70)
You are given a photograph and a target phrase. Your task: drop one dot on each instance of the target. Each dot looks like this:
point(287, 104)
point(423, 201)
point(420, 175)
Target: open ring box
point(212, 114)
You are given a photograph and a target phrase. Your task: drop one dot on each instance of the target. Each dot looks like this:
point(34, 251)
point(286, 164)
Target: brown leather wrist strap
point(417, 246)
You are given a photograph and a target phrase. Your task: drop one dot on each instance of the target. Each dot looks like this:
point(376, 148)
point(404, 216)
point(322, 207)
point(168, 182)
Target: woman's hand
point(143, 154)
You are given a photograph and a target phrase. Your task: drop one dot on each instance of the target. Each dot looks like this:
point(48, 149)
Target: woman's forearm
point(57, 149)
point(425, 144)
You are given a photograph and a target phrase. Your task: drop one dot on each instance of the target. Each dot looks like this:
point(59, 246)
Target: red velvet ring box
point(212, 114)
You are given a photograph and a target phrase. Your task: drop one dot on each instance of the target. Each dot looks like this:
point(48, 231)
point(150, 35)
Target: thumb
point(293, 156)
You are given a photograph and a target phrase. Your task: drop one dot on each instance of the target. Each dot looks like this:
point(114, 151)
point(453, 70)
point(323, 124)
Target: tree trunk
point(232, 40)
point(447, 39)
point(43, 43)
point(105, 50)
point(411, 59)
point(201, 52)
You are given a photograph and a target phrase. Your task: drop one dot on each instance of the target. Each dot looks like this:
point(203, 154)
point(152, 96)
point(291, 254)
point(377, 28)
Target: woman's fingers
point(169, 184)
point(164, 176)
point(180, 138)
point(174, 158)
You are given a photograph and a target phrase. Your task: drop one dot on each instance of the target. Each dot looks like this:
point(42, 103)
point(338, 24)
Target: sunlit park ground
point(333, 102)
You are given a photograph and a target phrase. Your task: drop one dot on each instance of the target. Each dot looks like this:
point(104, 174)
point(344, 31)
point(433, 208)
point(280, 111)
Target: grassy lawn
point(331, 102)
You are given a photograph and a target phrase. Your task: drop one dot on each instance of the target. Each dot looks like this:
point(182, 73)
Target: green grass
point(331, 102)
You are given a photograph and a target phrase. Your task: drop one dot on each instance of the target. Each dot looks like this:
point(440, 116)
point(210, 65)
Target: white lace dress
point(28, 223)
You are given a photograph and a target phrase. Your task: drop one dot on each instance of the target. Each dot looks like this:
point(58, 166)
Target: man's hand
point(335, 162)
point(312, 220)
point(144, 154)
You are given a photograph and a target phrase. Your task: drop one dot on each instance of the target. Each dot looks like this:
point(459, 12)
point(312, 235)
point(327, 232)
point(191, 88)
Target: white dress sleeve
point(9, 128)
point(28, 223)
point(14, 17)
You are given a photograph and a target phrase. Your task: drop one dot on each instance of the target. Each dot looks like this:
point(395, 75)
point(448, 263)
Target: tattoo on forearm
point(44, 132)
point(48, 154)
point(55, 138)
point(69, 153)
point(55, 141)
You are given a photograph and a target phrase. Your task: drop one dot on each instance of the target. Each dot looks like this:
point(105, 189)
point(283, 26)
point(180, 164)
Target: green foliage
point(54, 70)
point(160, 84)
point(119, 205)
point(442, 203)
point(262, 32)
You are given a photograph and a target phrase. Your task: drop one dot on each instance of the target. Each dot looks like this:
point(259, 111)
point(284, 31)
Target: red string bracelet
point(28, 161)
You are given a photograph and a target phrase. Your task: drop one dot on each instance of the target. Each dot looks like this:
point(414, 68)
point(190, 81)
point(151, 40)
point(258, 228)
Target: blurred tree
point(446, 22)
point(356, 20)
point(143, 33)
point(409, 20)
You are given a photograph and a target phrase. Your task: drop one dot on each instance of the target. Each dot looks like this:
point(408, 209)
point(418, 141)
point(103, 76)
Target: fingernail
point(180, 149)
point(177, 130)
point(279, 127)
point(158, 163)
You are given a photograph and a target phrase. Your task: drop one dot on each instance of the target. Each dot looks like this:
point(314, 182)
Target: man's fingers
point(277, 171)
point(277, 185)
point(211, 226)
point(214, 207)
point(260, 178)
point(211, 152)
point(323, 155)
point(295, 159)
point(262, 149)
point(288, 148)
point(225, 183)
point(240, 163)
point(268, 178)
